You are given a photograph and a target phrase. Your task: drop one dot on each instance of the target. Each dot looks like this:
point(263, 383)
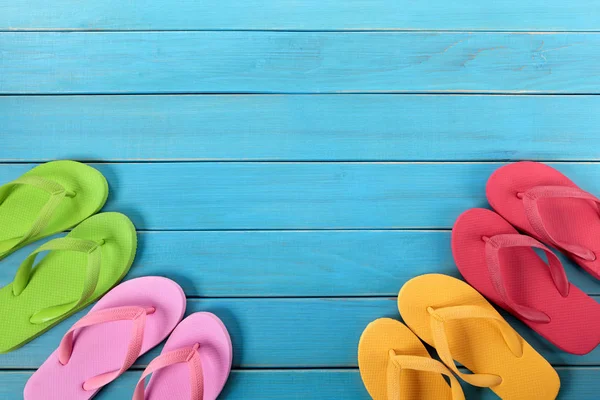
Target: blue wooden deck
point(291, 164)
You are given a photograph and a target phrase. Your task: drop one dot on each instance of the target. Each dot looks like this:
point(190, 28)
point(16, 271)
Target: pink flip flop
point(501, 264)
point(541, 201)
point(128, 321)
point(194, 364)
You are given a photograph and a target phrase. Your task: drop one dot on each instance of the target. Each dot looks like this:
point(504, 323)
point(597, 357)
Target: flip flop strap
point(438, 318)
point(134, 348)
point(92, 273)
point(530, 203)
point(57, 194)
point(398, 363)
point(188, 355)
point(494, 244)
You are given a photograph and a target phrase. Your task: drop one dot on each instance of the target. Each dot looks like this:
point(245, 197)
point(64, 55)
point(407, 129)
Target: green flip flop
point(48, 199)
point(78, 269)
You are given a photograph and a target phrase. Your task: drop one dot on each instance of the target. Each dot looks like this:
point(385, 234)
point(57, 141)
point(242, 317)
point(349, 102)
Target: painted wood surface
point(298, 62)
point(239, 264)
point(305, 15)
point(288, 195)
point(314, 384)
point(289, 333)
point(292, 168)
point(301, 127)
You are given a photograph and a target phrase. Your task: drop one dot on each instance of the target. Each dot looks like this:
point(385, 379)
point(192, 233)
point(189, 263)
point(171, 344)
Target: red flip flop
point(542, 202)
point(501, 264)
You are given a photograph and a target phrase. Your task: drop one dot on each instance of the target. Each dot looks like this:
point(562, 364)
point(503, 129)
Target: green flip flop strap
point(92, 273)
point(57, 194)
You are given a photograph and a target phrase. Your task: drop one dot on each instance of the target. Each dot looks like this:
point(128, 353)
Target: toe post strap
point(128, 313)
point(185, 355)
point(57, 193)
point(495, 244)
point(438, 319)
point(397, 363)
point(92, 272)
point(530, 200)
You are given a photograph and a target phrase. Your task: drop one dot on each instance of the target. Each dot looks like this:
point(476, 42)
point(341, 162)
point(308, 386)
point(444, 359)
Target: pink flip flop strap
point(530, 203)
point(188, 355)
point(496, 243)
point(129, 313)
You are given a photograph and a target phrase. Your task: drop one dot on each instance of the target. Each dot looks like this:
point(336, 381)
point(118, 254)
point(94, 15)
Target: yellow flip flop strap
point(397, 363)
point(440, 316)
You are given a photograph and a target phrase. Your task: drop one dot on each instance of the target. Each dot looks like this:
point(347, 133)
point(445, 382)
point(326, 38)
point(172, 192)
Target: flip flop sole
point(101, 348)
point(575, 320)
point(568, 220)
point(21, 207)
point(378, 338)
point(59, 277)
point(216, 354)
point(477, 344)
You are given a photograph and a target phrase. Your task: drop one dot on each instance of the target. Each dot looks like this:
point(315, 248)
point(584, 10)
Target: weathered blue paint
point(510, 15)
point(298, 62)
point(360, 127)
point(297, 215)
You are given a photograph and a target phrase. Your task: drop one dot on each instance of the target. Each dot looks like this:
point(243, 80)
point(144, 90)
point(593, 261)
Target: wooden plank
point(298, 62)
point(288, 333)
point(247, 385)
point(254, 196)
point(305, 15)
point(293, 263)
point(576, 384)
point(300, 127)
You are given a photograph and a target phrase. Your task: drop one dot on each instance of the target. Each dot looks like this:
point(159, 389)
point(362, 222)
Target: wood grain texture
point(298, 62)
point(293, 263)
point(234, 195)
point(288, 333)
point(304, 15)
point(301, 127)
point(247, 385)
point(292, 164)
point(316, 384)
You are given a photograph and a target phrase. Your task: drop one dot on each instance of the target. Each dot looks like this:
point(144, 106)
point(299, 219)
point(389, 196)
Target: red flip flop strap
point(496, 243)
point(132, 313)
point(188, 355)
point(530, 203)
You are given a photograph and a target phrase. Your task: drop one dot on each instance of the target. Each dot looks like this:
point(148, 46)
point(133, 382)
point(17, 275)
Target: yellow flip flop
point(451, 316)
point(395, 365)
